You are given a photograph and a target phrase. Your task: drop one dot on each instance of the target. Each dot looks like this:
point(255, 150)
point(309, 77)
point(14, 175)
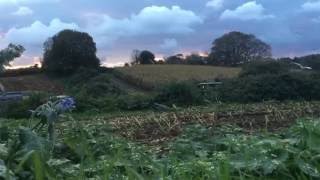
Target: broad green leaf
point(308, 168)
point(3, 151)
point(31, 141)
point(3, 169)
point(38, 166)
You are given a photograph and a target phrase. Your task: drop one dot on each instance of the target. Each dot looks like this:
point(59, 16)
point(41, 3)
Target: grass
point(154, 76)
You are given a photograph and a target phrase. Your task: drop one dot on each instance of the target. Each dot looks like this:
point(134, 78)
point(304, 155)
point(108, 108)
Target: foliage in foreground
point(92, 151)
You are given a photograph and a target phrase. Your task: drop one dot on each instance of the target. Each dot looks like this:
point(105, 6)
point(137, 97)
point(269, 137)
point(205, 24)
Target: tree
point(9, 54)
point(176, 59)
point(69, 50)
point(195, 59)
point(142, 57)
point(135, 57)
point(126, 65)
point(161, 61)
point(147, 57)
point(236, 48)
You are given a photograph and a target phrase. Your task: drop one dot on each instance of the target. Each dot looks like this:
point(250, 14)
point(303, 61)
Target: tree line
point(70, 50)
point(232, 49)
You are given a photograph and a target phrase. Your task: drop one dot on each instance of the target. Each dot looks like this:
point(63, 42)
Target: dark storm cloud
point(163, 26)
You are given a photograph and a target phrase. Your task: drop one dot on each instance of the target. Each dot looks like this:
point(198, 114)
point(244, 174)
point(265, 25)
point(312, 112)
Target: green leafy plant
point(51, 112)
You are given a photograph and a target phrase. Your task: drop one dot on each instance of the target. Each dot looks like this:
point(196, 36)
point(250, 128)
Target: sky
point(165, 27)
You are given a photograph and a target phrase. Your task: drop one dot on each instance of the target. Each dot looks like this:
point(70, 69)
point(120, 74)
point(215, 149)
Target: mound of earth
point(37, 82)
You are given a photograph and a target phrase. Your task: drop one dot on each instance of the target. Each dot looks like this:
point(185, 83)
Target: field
point(153, 76)
point(213, 142)
point(195, 99)
point(155, 140)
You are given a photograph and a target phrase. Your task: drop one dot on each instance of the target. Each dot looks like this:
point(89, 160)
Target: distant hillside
point(152, 76)
point(37, 82)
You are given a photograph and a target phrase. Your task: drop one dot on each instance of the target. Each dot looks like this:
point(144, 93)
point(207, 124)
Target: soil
point(156, 132)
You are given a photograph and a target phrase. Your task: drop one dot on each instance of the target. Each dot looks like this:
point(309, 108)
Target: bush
point(134, 102)
point(181, 93)
point(92, 83)
point(265, 67)
point(81, 76)
point(312, 61)
point(101, 86)
point(287, 86)
point(87, 103)
point(93, 91)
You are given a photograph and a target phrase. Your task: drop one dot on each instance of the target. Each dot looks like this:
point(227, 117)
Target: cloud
point(311, 6)
point(169, 44)
point(23, 11)
point(149, 21)
point(37, 32)
point(316, 20)
point(152, 20)
point(248, 11)
point(215, 4)
point(25, 61)
point(17, 2)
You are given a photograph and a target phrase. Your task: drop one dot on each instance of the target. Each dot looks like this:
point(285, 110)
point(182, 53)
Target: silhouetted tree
point(142, 57)
point(236, 48)
point(135, 57)
point(176, 59)
point(69, 50)
point(126, 65)
point(9, 54)
point(195, 59)
point(161, 61)
point(147, 57)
